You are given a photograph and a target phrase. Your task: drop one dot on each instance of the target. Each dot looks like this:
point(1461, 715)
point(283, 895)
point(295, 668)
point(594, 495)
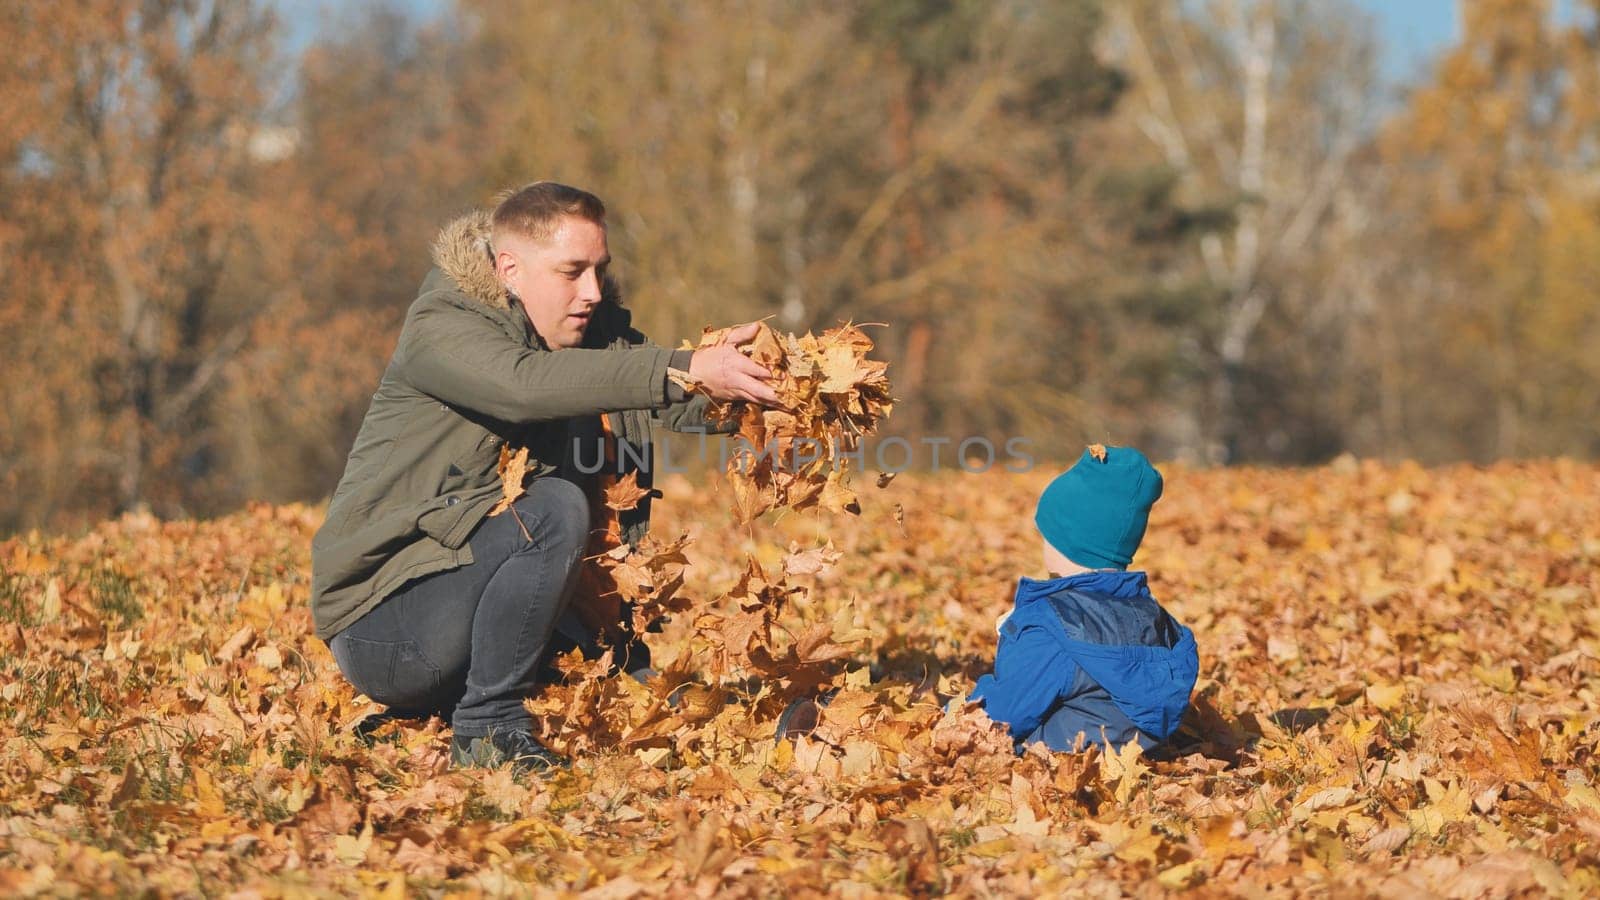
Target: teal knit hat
point(1095, 512)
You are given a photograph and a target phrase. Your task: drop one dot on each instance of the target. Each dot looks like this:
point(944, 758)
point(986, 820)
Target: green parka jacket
point(469, 375)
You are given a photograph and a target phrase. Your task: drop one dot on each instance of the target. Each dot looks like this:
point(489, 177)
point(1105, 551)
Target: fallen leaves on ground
point(1427, 726)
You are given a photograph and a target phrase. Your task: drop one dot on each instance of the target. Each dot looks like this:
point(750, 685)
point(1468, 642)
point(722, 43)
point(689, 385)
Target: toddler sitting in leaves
point(1088, 656)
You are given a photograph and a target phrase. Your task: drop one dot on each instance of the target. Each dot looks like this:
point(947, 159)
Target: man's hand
point(726, 374)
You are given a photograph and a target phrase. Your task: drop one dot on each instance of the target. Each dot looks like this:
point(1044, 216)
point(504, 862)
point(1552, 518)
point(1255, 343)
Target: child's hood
point(1111, 626)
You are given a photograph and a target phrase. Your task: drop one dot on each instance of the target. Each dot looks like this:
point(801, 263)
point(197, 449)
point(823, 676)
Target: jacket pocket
point(446, 520)
point(473, 469)
point(394, 673)
point(448, 517)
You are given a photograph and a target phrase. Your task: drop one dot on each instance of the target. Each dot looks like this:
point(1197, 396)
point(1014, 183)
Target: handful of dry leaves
point(832, 396)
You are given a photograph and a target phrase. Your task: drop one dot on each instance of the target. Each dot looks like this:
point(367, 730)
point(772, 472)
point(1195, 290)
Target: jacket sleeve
point(1030, 669)
point(461, 357)
point(690, 412)
point(693, 415)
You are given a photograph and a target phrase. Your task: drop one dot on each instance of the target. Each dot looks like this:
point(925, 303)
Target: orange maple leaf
point(513, 468)
point(625, 494)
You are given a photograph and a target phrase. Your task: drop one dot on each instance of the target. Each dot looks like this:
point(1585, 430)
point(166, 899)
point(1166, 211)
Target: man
point(516, 339)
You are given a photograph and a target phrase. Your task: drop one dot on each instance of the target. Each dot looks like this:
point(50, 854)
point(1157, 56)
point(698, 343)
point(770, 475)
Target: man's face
point(557, 279)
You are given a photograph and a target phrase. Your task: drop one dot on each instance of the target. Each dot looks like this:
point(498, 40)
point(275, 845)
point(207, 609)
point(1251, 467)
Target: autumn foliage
point(1217, 229)
point(831, 397)
point(1397, 696)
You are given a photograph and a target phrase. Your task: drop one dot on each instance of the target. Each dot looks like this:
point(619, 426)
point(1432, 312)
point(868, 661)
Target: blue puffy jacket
point(1087, 652)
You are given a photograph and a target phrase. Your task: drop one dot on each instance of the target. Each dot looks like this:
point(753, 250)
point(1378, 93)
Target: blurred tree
point(1495, 160)
point(133, 132)
point(392, 137)
point(202, 285)
point(1178, 225)
point(977, 236)
point(1256, 109)
point(907, 163)
point(694, 122)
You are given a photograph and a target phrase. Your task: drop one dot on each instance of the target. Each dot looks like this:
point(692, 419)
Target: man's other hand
point(726, 374)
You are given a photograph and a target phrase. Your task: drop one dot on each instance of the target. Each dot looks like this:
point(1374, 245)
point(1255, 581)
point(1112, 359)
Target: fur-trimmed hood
point(462, 251)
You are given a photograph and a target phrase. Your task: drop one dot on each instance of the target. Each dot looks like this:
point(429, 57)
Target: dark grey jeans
point(468, 643)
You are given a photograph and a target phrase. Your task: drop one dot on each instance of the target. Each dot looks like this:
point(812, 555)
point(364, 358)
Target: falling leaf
point(625, 493)
point(810, 561)
point(513, 469)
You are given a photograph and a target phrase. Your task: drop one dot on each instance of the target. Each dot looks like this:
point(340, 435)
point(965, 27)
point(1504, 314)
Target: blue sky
point(1413, 31)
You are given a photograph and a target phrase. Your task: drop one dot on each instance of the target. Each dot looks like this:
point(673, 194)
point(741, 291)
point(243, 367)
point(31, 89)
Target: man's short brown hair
point(534, 210)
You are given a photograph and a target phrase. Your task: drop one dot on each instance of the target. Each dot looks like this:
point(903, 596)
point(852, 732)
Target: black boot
point(517, 749)
point(802, 716)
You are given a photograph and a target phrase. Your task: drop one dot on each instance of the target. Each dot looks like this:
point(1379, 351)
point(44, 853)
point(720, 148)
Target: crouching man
point(516, 338)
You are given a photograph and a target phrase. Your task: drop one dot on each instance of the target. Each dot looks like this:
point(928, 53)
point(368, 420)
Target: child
point(1089, 651)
